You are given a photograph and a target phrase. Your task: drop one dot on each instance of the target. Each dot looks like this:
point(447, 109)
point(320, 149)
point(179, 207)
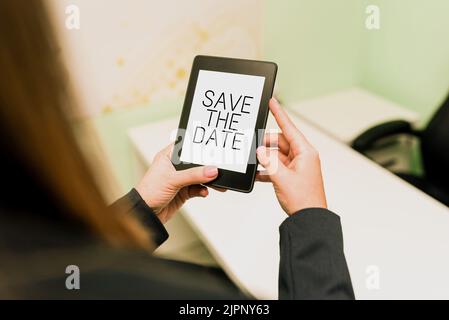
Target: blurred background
point(345, 66)
point(130, 63)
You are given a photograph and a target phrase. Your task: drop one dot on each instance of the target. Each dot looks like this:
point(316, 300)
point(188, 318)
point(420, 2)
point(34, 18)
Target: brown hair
point(35, 105)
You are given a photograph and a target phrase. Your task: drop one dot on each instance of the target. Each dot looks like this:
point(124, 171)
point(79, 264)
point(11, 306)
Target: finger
point(283, 120)
point(196, 175)
point(197, 191)
point(168, 150)
point(275, 139)
point(269, 159)
point(291, 133)
point(284, 158)
point(262, 176)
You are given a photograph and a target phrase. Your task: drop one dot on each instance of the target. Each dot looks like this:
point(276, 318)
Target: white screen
point(222, 120)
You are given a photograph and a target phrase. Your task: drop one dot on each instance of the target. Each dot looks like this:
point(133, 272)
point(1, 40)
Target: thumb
point(196, 175)
point(269, 159)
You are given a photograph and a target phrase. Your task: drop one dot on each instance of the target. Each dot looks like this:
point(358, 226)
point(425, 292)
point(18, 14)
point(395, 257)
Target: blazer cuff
point(312, 260)
point(312, 221)
point(133, 202)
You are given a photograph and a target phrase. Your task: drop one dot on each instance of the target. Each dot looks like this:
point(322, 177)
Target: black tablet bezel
point(227, 179)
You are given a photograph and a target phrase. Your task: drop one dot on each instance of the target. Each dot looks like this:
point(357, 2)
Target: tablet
point(224, 117)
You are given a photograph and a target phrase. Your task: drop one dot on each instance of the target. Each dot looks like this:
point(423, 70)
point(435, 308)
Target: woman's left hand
point(165, 190)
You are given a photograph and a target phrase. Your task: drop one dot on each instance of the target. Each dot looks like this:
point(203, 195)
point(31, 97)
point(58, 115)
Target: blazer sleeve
point(133, 203)
point(312, 261)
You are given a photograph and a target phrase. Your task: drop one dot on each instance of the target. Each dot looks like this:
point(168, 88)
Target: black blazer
point(35, 251)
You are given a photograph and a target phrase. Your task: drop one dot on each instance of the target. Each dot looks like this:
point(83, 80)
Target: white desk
point(386, 223)
point(346, 114)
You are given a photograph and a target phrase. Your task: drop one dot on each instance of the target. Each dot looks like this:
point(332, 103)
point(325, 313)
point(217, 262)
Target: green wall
point(323, 45)
point(112, 129)
point(407, 60)
point(315, 43)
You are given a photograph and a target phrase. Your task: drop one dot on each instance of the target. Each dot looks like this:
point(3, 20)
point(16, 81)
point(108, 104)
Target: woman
point(54, 216)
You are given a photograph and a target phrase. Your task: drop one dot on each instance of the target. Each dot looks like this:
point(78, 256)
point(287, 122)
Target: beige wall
point(134, 54)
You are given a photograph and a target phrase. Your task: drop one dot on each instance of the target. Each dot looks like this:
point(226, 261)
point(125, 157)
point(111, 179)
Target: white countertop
point(388, 225)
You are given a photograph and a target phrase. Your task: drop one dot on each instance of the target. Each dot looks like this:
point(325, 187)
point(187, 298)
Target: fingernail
point(275, 100)
point(210, 171)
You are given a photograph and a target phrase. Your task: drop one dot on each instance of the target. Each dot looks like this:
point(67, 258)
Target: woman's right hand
point(294, 167)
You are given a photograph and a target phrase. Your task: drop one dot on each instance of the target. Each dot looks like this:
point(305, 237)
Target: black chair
point(434, 147)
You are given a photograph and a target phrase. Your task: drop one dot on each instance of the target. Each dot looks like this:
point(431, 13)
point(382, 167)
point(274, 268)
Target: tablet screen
point(222, 120)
